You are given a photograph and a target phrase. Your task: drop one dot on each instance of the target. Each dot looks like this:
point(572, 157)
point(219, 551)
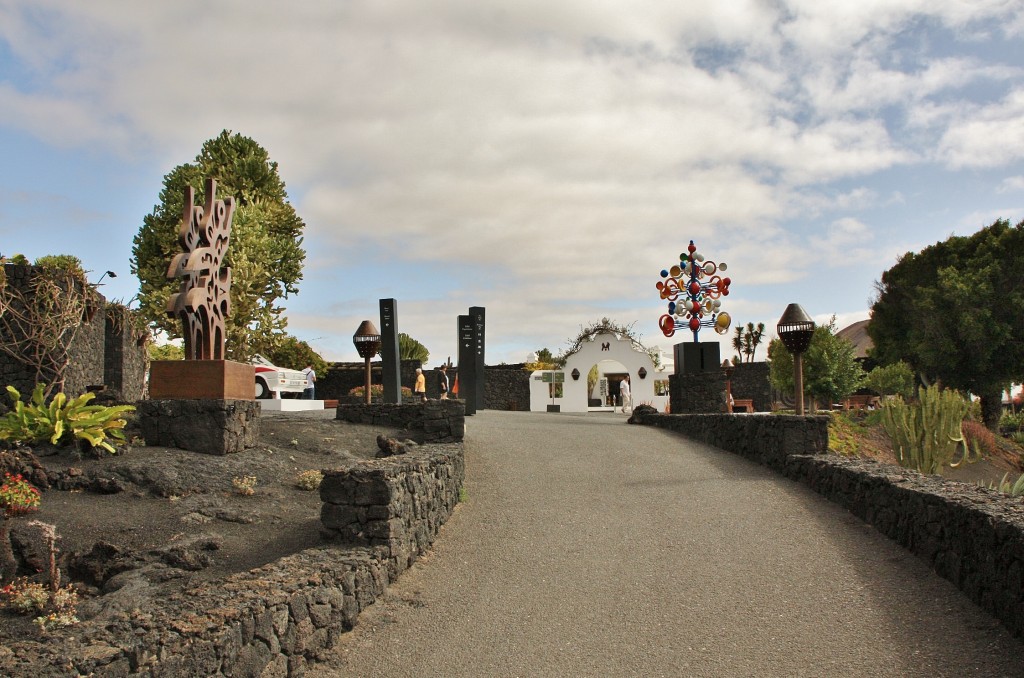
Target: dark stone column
point(389, 351)
point(467, 363)
point(478, 315)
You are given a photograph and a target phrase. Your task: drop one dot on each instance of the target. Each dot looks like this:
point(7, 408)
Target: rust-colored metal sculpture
point(205, 297)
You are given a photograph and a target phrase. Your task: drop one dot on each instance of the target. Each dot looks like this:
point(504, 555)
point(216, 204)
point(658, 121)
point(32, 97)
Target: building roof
point(857, 334)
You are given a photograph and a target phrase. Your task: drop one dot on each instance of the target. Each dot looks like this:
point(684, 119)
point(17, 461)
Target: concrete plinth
point(289, 405)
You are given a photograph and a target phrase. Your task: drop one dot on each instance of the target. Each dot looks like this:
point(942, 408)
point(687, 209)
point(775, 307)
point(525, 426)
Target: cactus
point(926, 434)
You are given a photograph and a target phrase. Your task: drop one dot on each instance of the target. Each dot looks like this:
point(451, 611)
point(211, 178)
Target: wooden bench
point(860, 402)
point(330, 404)
point(747, 404)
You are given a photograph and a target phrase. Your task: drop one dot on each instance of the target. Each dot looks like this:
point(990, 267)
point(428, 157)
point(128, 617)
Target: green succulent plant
point(63, 420)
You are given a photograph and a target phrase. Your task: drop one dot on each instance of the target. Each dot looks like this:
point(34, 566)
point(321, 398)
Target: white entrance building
point(613, 357)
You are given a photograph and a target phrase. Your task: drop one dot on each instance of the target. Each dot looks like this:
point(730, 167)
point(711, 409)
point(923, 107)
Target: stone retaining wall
point(972, 536)
point(273, 620)
point(435, 421)
point(506, 387)
point(397, 502)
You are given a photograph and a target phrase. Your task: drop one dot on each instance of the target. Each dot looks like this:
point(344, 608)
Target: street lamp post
point(795, 329)
point(368, 343)
point(727, 367)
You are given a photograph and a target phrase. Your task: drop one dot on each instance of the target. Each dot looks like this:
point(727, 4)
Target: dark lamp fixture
point(108, 274)
point(575, 374)
point(367, 340)
point(642, 373)
point(795, 329)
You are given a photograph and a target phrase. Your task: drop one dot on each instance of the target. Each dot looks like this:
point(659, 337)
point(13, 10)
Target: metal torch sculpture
point(205, 297)
point(694, 289)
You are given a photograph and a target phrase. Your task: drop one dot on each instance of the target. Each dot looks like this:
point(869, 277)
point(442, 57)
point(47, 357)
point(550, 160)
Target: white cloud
point(986, 136)
point(1011, 184)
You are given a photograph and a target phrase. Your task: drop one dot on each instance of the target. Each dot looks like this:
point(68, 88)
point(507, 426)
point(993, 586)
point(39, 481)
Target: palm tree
point(737, 342)
point(752, 339)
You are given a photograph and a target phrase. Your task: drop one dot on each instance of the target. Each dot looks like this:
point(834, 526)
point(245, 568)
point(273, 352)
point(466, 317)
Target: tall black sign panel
point(467, 362)
point(389, 351)
point(477, 314)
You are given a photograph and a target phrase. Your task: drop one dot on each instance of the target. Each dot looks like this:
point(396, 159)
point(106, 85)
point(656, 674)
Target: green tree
point(831, 371)
point(165, 352)
point(895, 379)
point(544, 356)
point(410, 349)
point(953, 312)
point(294, 353)
point(265, 253)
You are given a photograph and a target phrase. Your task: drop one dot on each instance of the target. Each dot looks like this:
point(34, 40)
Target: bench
point(330, 404)
point(747, 404)
point(860, 402)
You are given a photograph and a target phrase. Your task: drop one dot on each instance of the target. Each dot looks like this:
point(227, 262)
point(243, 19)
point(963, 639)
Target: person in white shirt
point(308, 392)
point(625, 395)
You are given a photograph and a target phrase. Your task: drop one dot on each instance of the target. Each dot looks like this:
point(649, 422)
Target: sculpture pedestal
point(207, 379)
point(206, 406)
point(207, 426)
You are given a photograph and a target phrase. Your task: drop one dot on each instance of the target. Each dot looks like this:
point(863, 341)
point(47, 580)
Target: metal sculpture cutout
point(693, 289)
point(205, 297)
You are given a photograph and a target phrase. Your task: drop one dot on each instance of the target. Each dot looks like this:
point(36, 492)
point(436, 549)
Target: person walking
point(625, 394)
point(444, 382)
point(308, 393)
point(420, 389)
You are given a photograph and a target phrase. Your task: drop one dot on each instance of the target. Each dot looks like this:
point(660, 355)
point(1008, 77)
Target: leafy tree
point(895, 379)
point(410, 349)
point(265, 253)
point(953, 312)
point(296, 354)
point(544, 356)
point(831, 371)
point(165, 352)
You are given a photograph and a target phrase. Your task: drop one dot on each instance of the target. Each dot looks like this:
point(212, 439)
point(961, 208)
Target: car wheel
point(262, 392)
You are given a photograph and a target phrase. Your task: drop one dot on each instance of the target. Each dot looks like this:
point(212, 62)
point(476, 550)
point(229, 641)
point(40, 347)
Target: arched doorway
point(620, 356)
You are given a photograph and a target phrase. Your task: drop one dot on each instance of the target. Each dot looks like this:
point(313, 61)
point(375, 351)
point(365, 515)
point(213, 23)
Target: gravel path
point(588, 547)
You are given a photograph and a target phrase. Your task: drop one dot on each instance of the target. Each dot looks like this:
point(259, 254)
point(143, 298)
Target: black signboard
point(467, 363)
point(477, 313)
point(389, 351)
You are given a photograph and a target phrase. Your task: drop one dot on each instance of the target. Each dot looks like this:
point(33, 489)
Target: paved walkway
point(591, 548)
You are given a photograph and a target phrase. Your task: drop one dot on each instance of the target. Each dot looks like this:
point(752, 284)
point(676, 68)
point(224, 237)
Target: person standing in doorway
point(308, 393)
point(420, 389)
point(444, 382)
point(625, 394)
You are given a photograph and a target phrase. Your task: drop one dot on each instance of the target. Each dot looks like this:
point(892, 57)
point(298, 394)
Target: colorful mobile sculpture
point(693, 289)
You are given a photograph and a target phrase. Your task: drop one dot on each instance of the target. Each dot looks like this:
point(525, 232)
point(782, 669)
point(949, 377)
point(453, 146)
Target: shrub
point(979, 438)
point(245, 486)
point(17, 496)
point(309, 480)
point(63, 420)
point(1012, 421)
point(25, 597)
point(377, 391)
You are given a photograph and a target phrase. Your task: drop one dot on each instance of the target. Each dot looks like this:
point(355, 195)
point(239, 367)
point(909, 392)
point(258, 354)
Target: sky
point(545, 160)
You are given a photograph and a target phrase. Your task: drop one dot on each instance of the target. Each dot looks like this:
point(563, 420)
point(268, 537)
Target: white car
point(272, 381)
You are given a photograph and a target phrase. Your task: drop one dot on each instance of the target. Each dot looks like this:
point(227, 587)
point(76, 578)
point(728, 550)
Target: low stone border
point(435, 421)
point(972, 536)
point(273, 620)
